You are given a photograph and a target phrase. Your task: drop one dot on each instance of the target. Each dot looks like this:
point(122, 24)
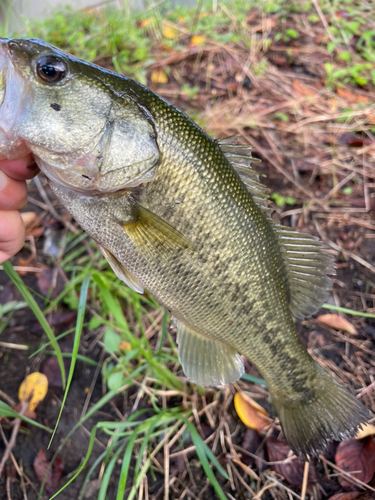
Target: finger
point(21, 169)
point(12, 234)
point(13, 194)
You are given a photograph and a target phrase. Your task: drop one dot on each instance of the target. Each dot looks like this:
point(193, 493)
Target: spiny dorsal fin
point(239, 156)
point(307, 264)
point(306, 261)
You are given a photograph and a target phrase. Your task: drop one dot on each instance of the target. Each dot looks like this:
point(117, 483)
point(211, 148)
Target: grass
point(140, 357)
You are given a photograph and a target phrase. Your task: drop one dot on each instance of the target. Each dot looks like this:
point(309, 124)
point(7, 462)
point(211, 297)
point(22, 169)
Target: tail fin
point(330, 413)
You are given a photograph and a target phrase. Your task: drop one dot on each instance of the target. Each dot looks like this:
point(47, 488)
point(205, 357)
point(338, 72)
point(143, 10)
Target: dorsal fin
point(306, 261)
point(239, 156)
point(307, 265)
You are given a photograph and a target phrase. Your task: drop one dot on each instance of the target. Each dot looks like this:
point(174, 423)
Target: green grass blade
point(105, 399)
point(108, 473)
point(79, 357)
point(348, 311)
point(203, 453)
point(7, 411)
point(125, 467)
point(22, 288)
point(77, 338)
point(256, 380)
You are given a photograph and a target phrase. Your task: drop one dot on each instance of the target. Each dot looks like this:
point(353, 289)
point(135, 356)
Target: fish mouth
point(11, 92)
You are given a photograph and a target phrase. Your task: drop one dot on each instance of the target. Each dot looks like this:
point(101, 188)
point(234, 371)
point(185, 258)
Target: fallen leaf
point(31, 221)
point(169, 32)
point(290, 469)
point(370, 116)
point(367, 430)
point(50, 281)
point(351, 495)
point(143, 23)
point(28, 413)
point(250, 412)
point(33, 389)
point(354, 140)
point(356, 456)
point(303, 90)
point(41, 465)
point(158, 76)
point(51, 370)
point(197, 41)
point(351, 96)
point(336, 322)
point(252, 443)
point(125, 346)
point(342, 14)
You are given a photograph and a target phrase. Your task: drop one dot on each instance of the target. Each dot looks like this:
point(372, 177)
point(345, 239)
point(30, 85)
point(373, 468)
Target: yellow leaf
point(367, 430)
point(169, 32)
point(145, 22)
point(197, 41)
point(125, 346)
point(33, 389)
point(250, 412)
point(158, 76)
point(336, 322)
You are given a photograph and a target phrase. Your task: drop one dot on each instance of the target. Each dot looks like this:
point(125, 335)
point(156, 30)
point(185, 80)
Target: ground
point(298, 87)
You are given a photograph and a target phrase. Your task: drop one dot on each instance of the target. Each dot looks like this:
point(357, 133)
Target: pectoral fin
point(207, 362)
point(153, 235)
point(120, 271)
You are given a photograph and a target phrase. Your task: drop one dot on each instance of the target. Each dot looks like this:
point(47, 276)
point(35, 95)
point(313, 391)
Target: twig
point(323, 19)
point(352, 255)
point(12, 440)
point(305, 478)
point(346, 474)
point(9, 345)
point(285, 173)
point(265, 488)
point(366, 390)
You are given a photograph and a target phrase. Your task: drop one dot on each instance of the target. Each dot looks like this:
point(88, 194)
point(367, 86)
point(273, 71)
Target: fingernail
point(3, 180)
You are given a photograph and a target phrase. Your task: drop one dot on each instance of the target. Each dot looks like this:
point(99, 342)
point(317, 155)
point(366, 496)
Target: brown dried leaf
point(50, 279)
point(250, 412)
point(351, 96)
point(31, 221)
point(351, 495)
point(28, 413)
point(367, 430)
point(41, 464)
point(291, 470)
point(303, 90)
point(336, 322)
point(52, 371)
point(356, 456)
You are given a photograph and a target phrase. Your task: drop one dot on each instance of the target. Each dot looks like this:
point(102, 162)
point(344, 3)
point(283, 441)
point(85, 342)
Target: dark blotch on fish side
point(55, 106)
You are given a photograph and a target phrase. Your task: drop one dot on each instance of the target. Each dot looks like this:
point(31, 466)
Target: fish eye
point(51, 69)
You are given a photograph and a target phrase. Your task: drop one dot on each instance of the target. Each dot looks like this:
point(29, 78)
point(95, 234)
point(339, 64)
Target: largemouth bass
point(185, 217)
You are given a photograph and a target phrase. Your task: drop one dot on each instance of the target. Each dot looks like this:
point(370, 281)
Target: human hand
point(13, 197)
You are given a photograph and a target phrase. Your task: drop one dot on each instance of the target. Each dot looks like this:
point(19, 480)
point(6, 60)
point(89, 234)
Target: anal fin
point(120, 271)
point(205, 361)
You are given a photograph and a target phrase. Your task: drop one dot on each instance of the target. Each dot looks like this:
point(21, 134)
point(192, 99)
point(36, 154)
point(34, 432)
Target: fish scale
point(185, 217)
